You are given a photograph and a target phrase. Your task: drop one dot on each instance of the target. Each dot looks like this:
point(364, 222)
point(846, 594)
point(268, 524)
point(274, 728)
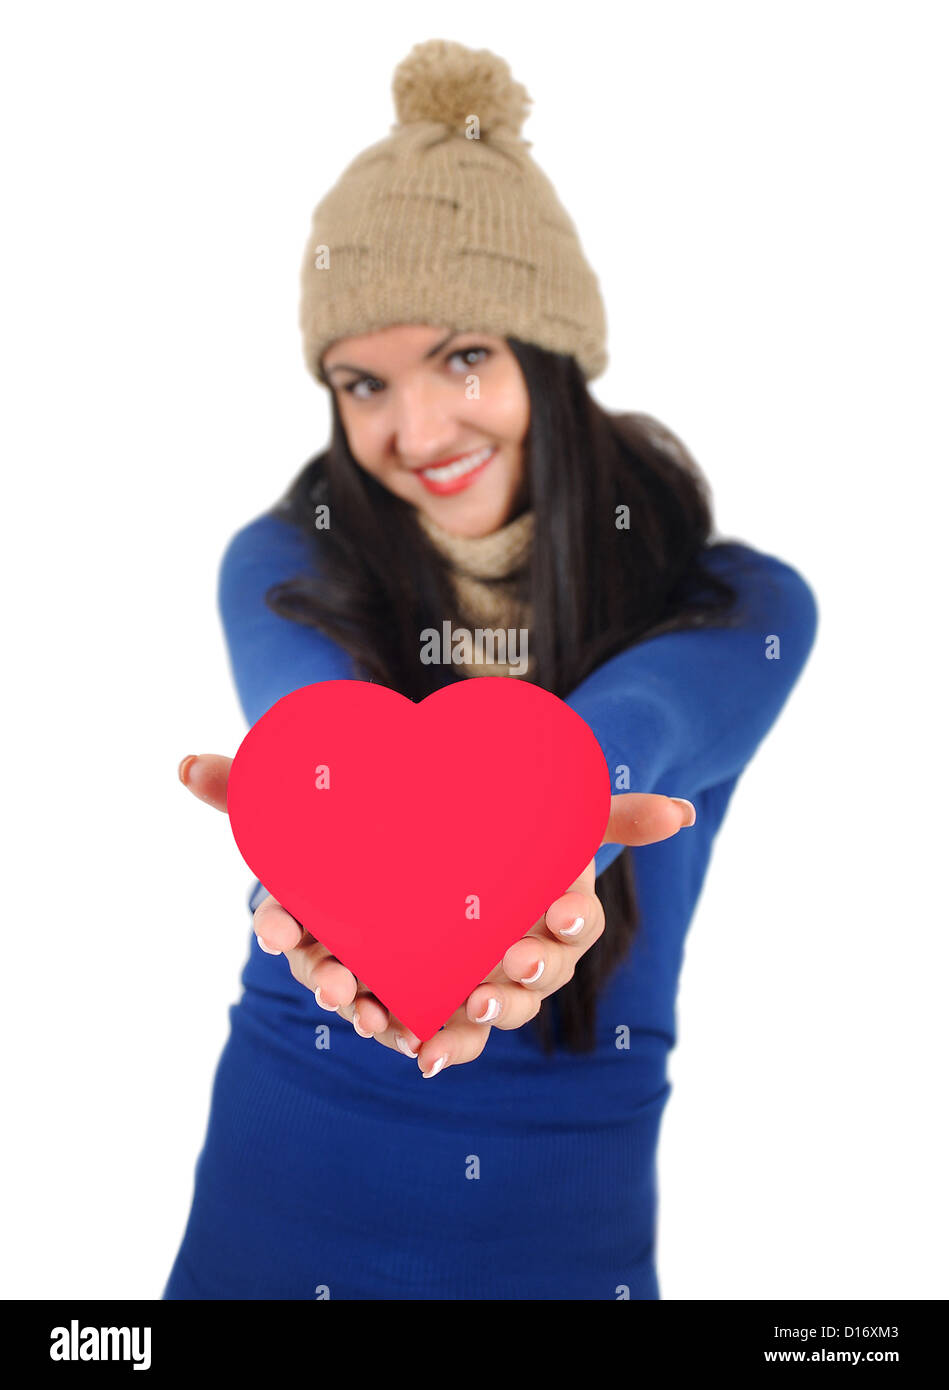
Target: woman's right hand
point(317, 969)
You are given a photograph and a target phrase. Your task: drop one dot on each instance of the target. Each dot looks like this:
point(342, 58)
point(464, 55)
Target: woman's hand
point(512, 994)
point(334, 987)
point(545, 959)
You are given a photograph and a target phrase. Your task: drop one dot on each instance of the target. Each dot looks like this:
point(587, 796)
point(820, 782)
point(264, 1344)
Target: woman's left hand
point(545, 959)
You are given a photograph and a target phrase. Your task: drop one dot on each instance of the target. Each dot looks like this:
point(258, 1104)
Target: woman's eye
point(463, 352)
point(351, 388)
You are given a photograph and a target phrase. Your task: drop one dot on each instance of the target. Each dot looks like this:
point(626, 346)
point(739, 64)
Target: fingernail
point(681, 801)
point(361, 1031)
point(183, 766)
point(576, 925)
point(404, 1047)
point(333, 1008)
point(492, 1010)
point(264, 947)
point(433, 1071)
point(532, 979)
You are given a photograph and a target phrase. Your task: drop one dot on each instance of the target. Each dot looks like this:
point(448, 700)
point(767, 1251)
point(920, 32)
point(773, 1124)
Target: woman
point(447, 306)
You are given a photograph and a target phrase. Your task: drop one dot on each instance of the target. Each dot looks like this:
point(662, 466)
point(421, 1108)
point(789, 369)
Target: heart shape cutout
point(417, 842)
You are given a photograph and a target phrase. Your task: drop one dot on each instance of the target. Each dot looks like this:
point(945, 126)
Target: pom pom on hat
point(443, 81)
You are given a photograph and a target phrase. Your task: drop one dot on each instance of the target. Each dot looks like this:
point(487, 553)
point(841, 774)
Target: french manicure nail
point(264, 947)
point(491, 1011)
point(532, 979)
point(361, 1031)
point(434, 1070)
point(331, 1008)
point(575, 926)
point(681, 801)
point(404, 1047)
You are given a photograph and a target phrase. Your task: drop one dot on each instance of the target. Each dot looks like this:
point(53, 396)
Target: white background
point(761, 190)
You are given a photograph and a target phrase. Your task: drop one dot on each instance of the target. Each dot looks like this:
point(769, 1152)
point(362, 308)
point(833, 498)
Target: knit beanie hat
point(448, 221)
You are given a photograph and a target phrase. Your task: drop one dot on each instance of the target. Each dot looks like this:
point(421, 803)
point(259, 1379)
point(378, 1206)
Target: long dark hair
point(595, 587)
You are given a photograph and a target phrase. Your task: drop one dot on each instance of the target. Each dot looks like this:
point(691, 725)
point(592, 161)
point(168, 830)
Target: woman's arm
point(686, 710)
point(269, 655)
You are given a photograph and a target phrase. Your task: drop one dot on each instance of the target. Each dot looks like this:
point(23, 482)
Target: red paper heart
point(491, 795)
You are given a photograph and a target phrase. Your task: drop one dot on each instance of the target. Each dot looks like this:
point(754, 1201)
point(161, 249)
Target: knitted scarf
point(484, 572)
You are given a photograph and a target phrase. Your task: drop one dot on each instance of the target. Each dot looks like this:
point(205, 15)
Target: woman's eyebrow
point(339, 366)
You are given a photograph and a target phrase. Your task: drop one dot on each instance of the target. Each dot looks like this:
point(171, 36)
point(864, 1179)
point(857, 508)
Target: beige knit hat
point(449, 221)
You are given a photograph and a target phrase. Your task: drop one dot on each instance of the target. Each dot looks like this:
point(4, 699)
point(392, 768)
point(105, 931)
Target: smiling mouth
point(448, 472)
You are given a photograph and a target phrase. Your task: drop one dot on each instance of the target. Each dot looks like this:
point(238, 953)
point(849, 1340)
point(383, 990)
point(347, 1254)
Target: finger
point(500, 1003)
point(332, 985)
point(398, 1037)
point(642, 818)
point(459, 1041)
point(365, 1012)
point(205, 775)
point(545, 958)
point(276, 929)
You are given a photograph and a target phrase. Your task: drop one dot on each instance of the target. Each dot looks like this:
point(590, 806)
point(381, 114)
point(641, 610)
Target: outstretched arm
point(686, 710)
point(269, 655)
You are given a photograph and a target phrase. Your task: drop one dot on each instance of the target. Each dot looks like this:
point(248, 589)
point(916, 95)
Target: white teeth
point(448, 471)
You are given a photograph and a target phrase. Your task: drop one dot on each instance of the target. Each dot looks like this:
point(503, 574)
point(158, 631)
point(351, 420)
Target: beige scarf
point(484, 572)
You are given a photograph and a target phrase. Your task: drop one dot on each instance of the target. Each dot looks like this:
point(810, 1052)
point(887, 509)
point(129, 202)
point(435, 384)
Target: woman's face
point(413, 397)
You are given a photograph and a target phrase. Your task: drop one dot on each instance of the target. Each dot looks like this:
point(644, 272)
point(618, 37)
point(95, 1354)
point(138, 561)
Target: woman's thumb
point(205, 775)
point(643, 818)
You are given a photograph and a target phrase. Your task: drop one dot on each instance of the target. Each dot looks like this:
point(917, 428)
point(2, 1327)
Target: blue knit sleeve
point(684, 711)
point(270, 655)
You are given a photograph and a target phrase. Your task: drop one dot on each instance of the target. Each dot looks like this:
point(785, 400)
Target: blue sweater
point(330, 1167)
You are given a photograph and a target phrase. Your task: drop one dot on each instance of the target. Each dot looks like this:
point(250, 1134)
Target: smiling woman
point(472, 481)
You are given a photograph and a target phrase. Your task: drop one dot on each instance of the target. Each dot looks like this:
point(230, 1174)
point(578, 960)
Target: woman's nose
point(424, 430)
